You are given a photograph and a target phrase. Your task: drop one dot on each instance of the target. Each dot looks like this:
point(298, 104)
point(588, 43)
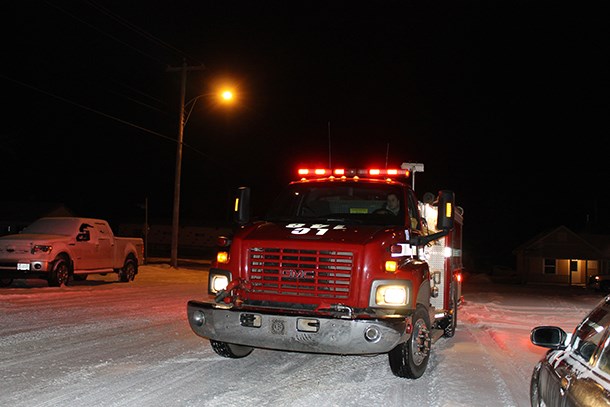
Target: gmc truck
point(59, 249)
point(345, 262)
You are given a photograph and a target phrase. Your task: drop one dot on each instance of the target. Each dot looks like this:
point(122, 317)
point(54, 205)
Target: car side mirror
point(83, 237)
point(551, 337)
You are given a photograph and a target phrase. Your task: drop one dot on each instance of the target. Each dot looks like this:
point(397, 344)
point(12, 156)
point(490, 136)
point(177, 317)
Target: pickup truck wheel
point(410, 359)
point(60, 275)
point(5, 282)
point(453, 312)
point(128, 272)
point(229, 350)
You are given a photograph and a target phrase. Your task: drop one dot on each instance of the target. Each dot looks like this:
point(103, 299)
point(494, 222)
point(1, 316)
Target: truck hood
point(30, 237)
point(327, 232)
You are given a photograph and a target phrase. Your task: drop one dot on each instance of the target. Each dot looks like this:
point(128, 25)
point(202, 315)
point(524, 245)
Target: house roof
point(562, 243)
point(602, 242)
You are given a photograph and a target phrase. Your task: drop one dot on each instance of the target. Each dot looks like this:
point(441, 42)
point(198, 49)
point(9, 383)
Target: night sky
point(506, 103)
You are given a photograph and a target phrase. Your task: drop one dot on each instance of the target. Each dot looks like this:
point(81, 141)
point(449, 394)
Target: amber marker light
point(391, 266)
point(222, 257)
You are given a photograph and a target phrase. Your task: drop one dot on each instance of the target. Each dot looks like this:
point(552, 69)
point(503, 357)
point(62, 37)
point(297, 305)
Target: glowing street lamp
point(225, 96)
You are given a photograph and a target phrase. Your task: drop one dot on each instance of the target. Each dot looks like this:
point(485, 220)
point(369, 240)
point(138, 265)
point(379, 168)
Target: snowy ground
point(104, 343)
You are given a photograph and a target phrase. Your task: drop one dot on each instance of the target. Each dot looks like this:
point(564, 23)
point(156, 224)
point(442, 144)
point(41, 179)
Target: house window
point(550, 266)
point(573, 266)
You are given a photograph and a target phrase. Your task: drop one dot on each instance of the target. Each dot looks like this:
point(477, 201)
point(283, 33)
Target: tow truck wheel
point(230, 350)
point(5, 282)
point(129, 271)
point(410, 359)
point(60, 275)
point(453, 307)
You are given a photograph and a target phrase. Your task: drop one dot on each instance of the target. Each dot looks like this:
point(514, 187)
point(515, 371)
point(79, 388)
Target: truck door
point(84, 247)
point(93, 248)
point(413, 218)
point(104, 249)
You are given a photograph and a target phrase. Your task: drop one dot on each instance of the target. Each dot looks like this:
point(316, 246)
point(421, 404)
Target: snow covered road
point(105, 343)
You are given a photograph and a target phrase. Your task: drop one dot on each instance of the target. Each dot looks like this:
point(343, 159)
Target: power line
point(117, 119)
point(138, 30)
point(105, 33)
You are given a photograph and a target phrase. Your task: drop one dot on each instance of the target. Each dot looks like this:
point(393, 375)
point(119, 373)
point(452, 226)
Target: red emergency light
point(353, 172)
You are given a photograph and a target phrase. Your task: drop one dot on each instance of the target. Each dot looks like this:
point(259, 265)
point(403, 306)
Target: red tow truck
point(329, 269)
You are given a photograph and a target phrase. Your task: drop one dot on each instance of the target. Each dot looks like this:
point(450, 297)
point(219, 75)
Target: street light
point(225, 96)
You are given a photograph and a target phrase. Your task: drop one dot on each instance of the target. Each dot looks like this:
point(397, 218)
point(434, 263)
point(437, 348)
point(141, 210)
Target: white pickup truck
point(60, 249)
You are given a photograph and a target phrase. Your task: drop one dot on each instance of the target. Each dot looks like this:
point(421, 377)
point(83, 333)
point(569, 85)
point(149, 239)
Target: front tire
point(535, 399)
point(410, 359)
point(60, 274)
point(129, 271)
point(230, 350)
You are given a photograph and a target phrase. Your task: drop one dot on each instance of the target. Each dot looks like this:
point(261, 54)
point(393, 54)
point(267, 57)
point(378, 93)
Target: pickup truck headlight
point(390, 293)
point(41, 248)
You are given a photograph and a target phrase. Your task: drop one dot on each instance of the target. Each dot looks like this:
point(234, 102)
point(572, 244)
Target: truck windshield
point(361, 203)
point(53, 226)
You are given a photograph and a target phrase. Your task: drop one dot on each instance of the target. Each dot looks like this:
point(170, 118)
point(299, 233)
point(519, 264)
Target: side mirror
point(446, 210)
point(551, 337)
point(83, 236)
point(241, 210)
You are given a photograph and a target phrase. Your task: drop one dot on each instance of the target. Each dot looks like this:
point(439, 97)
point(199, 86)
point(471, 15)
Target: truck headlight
point(219, 283)
point(41, 248)
point(386, 293)
point(391, 295)
point(218, 280)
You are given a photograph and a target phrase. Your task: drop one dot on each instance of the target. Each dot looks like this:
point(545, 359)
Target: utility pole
point(176, 212)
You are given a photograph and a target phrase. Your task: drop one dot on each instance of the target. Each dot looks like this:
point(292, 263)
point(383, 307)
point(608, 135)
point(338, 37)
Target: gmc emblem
point(298, 274)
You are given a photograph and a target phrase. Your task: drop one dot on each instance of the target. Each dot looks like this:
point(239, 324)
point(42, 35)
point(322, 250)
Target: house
point(561, 256)
point(15, 215)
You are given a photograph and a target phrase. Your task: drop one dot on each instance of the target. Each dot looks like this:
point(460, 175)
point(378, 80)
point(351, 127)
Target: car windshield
point(361, 203)
point(55, 226)
point(590, 331)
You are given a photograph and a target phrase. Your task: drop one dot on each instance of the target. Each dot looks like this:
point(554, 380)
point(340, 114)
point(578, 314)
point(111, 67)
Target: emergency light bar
point(352, 172)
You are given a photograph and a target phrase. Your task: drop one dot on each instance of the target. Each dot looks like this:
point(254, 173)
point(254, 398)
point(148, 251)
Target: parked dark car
point(576, 369)
point(600, 282)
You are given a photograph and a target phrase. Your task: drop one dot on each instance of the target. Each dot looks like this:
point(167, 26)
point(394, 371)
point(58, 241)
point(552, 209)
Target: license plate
point(23, 266)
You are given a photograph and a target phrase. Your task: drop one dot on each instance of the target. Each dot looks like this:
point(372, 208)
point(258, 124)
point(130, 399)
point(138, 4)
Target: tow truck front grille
point(296, 272)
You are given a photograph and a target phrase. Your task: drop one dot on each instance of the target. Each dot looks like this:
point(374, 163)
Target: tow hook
point(222, 294)
point(237, 285)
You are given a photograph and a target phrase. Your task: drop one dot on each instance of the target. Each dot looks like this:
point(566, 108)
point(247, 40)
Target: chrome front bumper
point(298, 333)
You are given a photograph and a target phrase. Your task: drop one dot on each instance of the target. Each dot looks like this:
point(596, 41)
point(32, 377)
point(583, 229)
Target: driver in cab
point(392, 203)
